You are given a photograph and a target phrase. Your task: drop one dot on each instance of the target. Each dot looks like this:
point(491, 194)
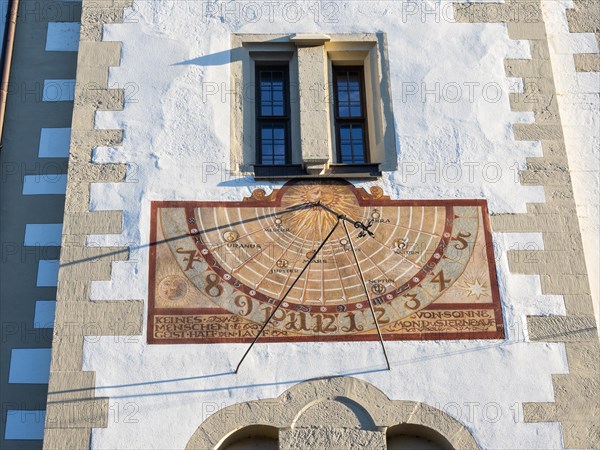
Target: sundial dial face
point(217, 269)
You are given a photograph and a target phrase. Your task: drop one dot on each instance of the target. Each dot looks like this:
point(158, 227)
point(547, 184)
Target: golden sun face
point(315, 221)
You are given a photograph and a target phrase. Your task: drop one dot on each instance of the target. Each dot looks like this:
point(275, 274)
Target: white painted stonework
point(45, 184)
point(43, 234)
point(62, 37)
point(29, 366)
point(44, 314)
point(47, 273)
point(54, 142)
point(24, 424)
point(454, 140)
point(58, 90)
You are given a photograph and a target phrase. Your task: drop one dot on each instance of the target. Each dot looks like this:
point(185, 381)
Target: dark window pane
point(351, 144)
point(267, 133)
point(349, 101)
point(273, 143)
point(272, 93)
point(272, 122)
point(350, 115)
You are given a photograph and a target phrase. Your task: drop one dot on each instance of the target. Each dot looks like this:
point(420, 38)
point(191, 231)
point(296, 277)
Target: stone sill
point(349, 176)
point(288, 171)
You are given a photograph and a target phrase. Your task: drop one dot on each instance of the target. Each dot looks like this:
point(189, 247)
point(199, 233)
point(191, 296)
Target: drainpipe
point(9, 40)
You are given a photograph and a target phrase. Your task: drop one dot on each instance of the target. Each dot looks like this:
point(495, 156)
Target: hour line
point(276, 260)
point(244, 221)
point(411, 229)
point(290, 274)
point(241, 237)
point(353, 265)
point(401, 256)
point(338, 271)
point(262, 249)
point(375, 264)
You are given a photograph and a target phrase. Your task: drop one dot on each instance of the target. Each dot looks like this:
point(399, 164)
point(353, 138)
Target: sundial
point(321, 261)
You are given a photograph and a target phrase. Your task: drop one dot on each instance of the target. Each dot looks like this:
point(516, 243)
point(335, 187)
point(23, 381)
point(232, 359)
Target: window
point(311, 105)
point(272, 115)
point(350, 115)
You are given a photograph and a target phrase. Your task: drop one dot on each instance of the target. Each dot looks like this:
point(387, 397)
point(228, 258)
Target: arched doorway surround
point(340, 412)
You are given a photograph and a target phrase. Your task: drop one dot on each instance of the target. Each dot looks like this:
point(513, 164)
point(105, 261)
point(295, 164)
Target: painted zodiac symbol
point(400, 244)
point(378, 288)
point(231, 236)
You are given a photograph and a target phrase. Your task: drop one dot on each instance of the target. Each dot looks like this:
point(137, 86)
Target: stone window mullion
point(315, 143)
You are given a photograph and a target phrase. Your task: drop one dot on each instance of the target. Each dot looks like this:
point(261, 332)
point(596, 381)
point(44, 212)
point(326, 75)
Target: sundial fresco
point(218, 269)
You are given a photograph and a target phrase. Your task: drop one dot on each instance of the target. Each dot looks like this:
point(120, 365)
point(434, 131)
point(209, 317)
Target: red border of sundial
point(364, 199)
point(195, 233)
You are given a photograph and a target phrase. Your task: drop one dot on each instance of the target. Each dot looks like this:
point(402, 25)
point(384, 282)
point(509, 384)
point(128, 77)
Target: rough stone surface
point(72, 409)
point(314, 113)
point(561, 264)
point(353, 414)
point(72, 438)
point(331, 439)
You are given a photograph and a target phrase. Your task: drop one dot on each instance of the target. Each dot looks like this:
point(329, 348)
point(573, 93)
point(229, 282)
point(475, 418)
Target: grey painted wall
point(26, 114)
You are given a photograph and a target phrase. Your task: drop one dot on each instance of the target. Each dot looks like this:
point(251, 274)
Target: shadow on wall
point(233, 386)
point(224, 57)
point(214, 59)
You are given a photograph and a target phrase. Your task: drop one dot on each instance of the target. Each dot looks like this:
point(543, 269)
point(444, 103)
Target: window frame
point(259, 67)
point(363, 119)
point(368, 50)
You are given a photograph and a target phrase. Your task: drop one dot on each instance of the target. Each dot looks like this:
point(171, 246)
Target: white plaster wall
point(176, 144)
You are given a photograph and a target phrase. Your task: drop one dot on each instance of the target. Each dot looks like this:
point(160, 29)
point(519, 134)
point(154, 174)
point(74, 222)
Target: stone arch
point(337, 410)
point(361, 412)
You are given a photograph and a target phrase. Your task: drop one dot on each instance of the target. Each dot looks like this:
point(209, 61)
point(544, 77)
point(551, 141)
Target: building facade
point(328, 225)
